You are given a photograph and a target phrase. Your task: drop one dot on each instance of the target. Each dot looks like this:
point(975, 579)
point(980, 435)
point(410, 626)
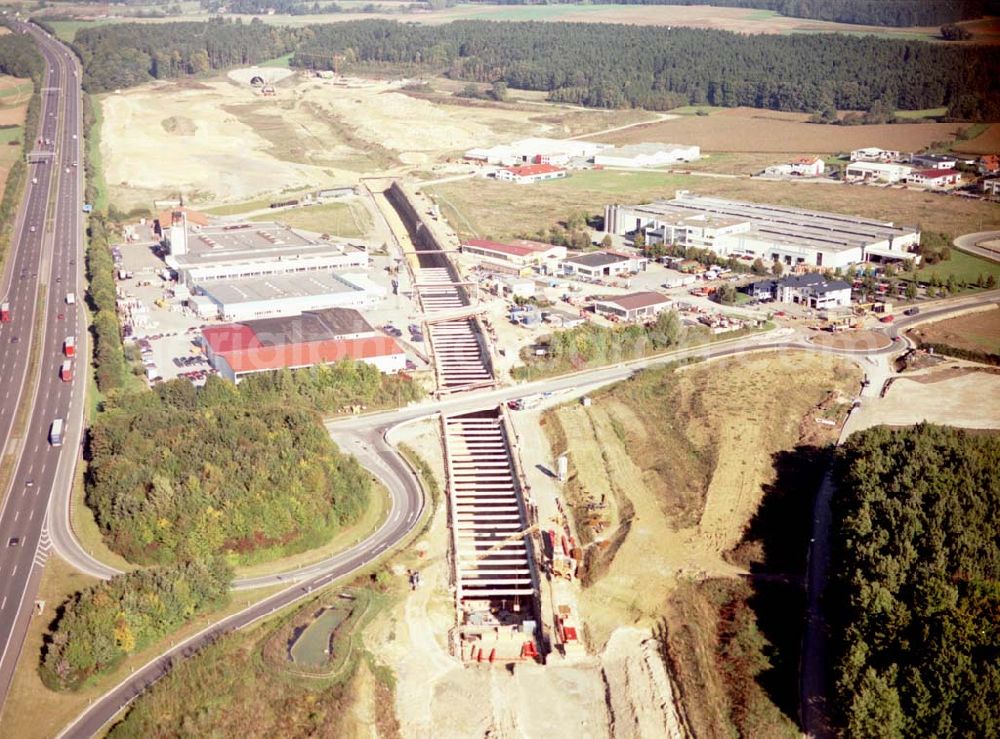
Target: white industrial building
point(876, 172)
point(646, 155)
point(793, 236)
point(244, 271)
point(283, 295)
point(597, 264)
point(200, 254)
point(875, 154)
point(536, 151)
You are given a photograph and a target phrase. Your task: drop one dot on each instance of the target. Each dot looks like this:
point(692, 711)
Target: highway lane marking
point(4, 604)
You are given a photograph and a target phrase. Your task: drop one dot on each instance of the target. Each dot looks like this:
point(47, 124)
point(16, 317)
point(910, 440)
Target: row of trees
point(614, 66)
point(19, 58)
point(109, 355)
point(866, 12)
point(917, 583)
point(592, 345)
point(178, 474)
point(100, 626)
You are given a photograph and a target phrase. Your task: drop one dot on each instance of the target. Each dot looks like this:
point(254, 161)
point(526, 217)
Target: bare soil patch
point(755, 130)
point(853, 341)
point(685, 457)
point(969, 400)
point(978, 332)
point(218, 141)
point(988, 142)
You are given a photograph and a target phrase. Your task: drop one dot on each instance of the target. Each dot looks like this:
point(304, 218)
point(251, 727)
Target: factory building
point(536, 151)
point(934, 177)
point(236, 251)
point(641, 306)
point(283, 295)
point(875, 154)
point(518, 257)
point(598, 264)
point(793, 236)
point(527, 174)
point(243, 271)
point(313, 338)
point(876, 172)
point(646, 155)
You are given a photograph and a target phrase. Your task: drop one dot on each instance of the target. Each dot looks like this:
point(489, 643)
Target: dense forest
point(100, 626)
point(614, 66)
point(865, 12)
point(917, 583)
point(179, 474)
point(598, 65)
point(121, 55)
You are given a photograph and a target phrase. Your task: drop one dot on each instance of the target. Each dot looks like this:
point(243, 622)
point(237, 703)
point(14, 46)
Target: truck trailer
point(4, 312)
point(56, 432)
point(69, 346)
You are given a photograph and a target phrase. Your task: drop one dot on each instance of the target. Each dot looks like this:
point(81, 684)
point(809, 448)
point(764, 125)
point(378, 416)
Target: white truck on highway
point(56, 432)
point(70, 298)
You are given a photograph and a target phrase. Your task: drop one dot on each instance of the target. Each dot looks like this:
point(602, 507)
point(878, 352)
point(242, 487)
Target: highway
point(47, 259)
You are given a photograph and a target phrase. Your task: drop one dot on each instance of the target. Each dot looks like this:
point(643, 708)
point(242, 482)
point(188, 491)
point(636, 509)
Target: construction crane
point(516, 536)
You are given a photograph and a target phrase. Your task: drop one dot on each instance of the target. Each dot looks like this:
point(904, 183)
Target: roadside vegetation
point(590, 345)
point(19, 57)
point(916, 571)
point(110, 367)
point(974, 336)
point(100, 626)
point(221, 691)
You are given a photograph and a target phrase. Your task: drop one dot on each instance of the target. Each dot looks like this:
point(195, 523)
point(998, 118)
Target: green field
point(965, 267)
point(10, 135)
point(23, 88)
point(350, 220)
point(917, 114)
point(281, 61)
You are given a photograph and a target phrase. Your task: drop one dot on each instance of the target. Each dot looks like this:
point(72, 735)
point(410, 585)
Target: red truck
point(4, 312)
point(69, 346)
point(66, 371)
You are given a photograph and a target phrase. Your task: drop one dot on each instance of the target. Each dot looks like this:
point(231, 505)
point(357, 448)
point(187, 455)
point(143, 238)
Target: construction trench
point(494, 566)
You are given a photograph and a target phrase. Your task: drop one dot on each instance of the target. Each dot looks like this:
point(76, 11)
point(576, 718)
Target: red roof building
point(934, 177)
point(322, 337)
point(530, 173)
point(514, 258)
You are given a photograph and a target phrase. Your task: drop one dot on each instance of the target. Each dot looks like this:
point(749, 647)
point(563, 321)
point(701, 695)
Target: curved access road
point(972, 243)
point(407, 506)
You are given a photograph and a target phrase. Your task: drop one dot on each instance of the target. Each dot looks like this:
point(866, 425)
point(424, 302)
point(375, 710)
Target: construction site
point(493, 555)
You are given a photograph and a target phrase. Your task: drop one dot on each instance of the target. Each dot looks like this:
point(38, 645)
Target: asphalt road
point(971, 243)
point(50, 259)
